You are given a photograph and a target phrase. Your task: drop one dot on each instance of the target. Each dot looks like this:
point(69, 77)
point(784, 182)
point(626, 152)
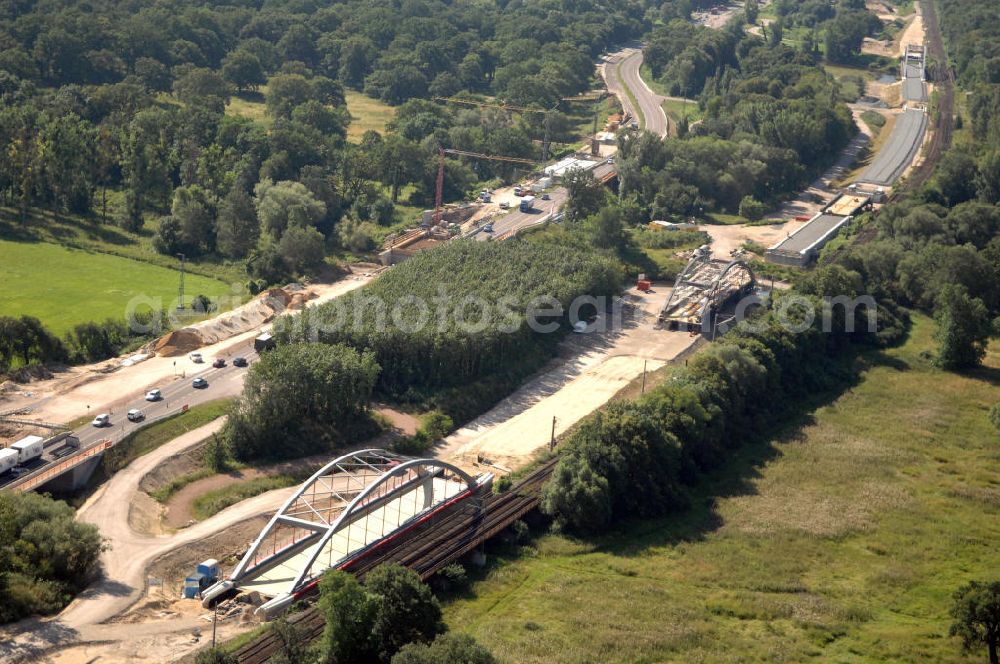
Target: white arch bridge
point(340, 514)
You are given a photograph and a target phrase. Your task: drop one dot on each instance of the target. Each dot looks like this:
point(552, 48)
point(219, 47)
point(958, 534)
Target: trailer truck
point(527, 203)
point(8, 459)
point(28, 449)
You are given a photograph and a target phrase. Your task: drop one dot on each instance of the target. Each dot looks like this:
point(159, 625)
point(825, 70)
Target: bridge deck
point(352, 538)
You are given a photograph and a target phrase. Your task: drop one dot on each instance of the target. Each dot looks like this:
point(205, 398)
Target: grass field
point(250, 105)
point(62, 286)
point(366, 114)
point(148, 438)
point(840, 541)
point(89, 234)
point(679, 109)
point(214, 502)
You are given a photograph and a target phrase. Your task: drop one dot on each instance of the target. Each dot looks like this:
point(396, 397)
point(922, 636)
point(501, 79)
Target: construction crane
point(439, 194)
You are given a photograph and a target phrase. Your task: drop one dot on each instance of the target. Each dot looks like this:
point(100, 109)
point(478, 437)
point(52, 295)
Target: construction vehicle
point(263, 342)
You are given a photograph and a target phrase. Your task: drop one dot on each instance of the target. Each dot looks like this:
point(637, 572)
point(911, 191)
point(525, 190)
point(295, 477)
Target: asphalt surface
point(178, 393)
point(899, 150)
point(621, 72)
point(812, 232)
point(914, 90)
point(515, 220)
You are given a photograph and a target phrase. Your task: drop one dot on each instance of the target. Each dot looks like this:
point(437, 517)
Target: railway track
point(426, 550)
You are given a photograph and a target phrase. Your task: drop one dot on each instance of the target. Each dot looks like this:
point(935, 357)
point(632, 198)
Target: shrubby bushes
point(45, 556)
point(302, 399)
point(371, 622)
point(24, 341)
point(471, 298)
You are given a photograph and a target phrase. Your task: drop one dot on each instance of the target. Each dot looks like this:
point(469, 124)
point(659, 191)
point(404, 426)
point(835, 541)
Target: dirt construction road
point(512, 432)
point(125, 563)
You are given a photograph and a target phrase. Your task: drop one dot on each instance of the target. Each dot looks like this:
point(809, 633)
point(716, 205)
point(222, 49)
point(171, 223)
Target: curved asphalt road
point(622, 71)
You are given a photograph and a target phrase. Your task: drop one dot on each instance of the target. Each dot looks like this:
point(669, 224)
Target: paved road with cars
point(176, 394)
point(515, 220)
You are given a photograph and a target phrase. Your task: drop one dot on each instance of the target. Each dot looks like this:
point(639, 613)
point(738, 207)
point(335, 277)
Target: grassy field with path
point(840, 541)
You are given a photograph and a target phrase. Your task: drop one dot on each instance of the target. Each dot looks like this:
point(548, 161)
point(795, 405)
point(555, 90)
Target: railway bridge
point(348, 511)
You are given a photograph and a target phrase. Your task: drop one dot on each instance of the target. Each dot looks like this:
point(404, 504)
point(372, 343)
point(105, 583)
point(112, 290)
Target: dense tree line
point(132, 100)
point(458, 312)
point(45, 555)
point(25, 341)
point(533, 52)
point(840, 27)
point(637, 458)
point(301, 399)
point(772, 120)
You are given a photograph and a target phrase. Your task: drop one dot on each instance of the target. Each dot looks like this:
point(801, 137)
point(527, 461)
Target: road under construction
point(885, 170)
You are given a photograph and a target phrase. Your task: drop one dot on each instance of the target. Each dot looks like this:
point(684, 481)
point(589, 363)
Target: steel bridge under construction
point(703, 288)
point(345, 511)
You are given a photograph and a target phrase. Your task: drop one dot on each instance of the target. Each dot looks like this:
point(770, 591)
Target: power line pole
point(180, 287)
point(552, 440)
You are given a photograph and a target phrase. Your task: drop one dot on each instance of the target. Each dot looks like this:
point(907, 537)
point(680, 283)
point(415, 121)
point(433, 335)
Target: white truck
point(527, 203)
point(8, 459)
point(28, 449)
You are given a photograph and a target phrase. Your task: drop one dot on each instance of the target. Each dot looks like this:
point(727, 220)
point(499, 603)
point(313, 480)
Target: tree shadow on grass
point(989, 375)
point(57, 227)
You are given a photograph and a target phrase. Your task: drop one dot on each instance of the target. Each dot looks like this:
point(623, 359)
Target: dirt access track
point(88, 618)
point(104, 385)
point(600, 364)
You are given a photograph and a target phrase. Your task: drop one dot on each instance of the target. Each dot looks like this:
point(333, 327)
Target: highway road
point(899, 151)
point(515, 220)
point(621, 71)
point(177, 393)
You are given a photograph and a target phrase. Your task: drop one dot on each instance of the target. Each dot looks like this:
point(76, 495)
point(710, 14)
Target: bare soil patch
point(180, 508)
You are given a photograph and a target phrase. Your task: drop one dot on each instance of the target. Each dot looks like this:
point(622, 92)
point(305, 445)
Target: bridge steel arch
point(344, 508)
point(724, 288)
point(705, 284)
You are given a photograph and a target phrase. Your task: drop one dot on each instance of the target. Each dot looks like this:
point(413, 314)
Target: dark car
point(199, 382)
point(239, 361)
point(219, 363)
